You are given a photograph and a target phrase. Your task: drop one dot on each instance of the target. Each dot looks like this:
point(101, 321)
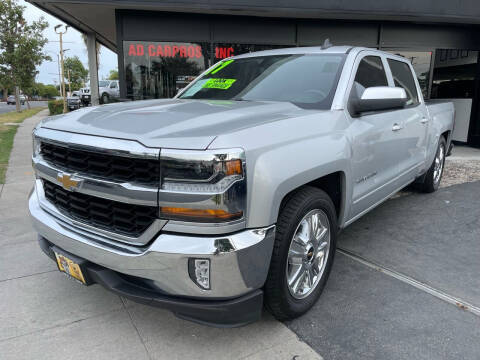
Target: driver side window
point(370, 73)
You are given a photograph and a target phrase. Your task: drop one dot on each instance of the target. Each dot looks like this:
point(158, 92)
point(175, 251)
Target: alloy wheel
point(308, 254)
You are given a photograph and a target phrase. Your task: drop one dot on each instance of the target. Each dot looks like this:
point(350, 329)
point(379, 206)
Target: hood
point(172, 123)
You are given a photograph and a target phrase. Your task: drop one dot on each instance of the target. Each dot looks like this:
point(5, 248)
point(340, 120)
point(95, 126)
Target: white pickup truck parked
point(231, 195)
point(108, 90)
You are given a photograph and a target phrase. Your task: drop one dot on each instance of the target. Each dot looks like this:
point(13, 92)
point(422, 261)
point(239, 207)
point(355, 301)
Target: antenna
point(326, 44)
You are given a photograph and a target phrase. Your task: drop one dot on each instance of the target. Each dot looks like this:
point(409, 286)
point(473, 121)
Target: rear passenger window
point(402, 76)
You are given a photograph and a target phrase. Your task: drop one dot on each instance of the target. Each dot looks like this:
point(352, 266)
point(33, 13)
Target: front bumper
point(221, 313)
point(239, 262)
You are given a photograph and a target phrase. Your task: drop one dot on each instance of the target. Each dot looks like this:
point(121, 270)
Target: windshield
point(103, 83)
point(308, 81)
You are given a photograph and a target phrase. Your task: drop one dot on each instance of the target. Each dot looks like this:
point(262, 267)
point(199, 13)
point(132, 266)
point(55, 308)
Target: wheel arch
point(334, 185)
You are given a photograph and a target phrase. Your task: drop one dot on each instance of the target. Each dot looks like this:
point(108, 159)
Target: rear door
point(374, 138)
point(413, 119)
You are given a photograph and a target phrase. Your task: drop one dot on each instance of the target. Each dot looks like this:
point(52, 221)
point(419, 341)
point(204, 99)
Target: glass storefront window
point(421, 64)
point(161, 69)
point(454, 74)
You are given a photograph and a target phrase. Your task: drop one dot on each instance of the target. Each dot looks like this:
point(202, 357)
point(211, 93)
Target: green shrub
point(55, 107)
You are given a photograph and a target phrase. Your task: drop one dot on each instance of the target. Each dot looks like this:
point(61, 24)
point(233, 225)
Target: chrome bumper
point(238, 262)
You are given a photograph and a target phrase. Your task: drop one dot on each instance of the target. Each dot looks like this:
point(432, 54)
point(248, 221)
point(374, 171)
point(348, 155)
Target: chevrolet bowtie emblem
point(67, 182)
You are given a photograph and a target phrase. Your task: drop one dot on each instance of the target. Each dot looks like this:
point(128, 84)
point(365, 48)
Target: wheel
point(303, 253)
point(105, 98)
point(434, 174)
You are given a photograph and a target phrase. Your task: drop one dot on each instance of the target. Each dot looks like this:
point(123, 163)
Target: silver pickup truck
point(231, 196)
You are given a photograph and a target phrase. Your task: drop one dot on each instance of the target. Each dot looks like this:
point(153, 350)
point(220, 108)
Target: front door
point(375, 140)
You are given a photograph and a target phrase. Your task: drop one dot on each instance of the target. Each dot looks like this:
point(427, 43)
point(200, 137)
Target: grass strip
point(7, 134)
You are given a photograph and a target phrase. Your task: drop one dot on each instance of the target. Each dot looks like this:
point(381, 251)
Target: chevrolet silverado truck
point(230, 196)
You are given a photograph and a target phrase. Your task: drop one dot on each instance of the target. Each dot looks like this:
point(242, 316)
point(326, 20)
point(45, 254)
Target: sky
point(71, 40)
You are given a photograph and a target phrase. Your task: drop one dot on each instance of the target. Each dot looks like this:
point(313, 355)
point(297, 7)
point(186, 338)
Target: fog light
point(199, 271)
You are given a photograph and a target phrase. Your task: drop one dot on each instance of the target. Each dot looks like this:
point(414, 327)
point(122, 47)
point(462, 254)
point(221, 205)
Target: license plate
point(70, 268)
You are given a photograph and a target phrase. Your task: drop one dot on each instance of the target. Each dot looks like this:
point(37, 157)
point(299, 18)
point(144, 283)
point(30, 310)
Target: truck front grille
point(103, 166)
point(114, 216)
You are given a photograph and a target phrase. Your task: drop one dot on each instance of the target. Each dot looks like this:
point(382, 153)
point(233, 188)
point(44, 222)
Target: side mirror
point(379, 98)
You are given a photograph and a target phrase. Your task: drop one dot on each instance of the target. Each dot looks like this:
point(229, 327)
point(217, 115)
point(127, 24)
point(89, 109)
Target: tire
point(432, 177)
point(105, 98)
point(284, 301)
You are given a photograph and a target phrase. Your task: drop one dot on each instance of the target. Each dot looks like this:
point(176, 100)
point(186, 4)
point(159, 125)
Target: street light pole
point(62, 69)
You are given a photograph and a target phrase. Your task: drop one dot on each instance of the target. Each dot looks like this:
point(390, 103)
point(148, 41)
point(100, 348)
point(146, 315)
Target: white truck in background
point(108, 90)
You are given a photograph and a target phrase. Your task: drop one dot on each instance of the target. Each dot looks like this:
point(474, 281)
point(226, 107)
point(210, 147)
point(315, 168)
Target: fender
point(284, 155)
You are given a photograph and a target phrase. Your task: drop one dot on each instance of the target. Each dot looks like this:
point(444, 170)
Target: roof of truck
point(300, 50)
point(317, 50)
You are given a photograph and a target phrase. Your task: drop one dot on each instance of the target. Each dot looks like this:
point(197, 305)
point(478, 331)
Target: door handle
point(424, 120)
point(396, 127)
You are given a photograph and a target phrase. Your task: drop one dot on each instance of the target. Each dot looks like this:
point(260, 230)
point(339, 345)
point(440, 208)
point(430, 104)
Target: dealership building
point(163, 45)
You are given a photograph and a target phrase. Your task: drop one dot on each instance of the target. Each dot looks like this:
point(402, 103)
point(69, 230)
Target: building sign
point(165, 50)
point(222, 52)
point(183, 51)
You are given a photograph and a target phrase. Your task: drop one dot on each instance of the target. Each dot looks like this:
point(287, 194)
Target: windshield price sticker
point(222, 84)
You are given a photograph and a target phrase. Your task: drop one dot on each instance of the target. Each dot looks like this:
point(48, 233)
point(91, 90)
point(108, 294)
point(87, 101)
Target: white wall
point(463, 108)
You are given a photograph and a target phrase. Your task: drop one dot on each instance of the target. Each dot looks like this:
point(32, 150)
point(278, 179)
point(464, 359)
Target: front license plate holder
point(72, 266)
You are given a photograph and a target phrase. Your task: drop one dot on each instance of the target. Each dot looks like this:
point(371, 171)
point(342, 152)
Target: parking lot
point(405, 285)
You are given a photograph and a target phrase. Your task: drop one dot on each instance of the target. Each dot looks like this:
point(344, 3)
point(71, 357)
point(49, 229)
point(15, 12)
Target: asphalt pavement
point(4, 108)
point(405, 283)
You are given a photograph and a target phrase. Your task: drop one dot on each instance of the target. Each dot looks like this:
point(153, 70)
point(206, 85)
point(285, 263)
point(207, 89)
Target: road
point(4, 108)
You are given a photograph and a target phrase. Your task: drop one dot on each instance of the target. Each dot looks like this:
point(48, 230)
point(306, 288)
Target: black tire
point(105, 98)
point(278, 298)
point(430, 184)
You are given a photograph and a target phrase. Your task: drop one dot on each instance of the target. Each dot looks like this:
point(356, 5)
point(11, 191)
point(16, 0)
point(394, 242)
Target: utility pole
point(59, 32)
point(59, 74)
point(69, 86)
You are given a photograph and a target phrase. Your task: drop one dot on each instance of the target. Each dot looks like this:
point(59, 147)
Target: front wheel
point(303, 253)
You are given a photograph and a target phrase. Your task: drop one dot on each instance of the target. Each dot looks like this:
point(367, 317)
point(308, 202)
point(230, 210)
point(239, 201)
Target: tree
point(45, 91)
point(21, 48)
point(113, 75)
point(50, 91)
point(78, 73)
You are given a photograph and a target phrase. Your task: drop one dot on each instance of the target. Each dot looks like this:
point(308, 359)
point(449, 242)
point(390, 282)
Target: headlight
point(36, 145)
point(200, 172)
point(202, 186)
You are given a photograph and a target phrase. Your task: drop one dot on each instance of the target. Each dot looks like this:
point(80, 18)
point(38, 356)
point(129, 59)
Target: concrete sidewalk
point(43, 315)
